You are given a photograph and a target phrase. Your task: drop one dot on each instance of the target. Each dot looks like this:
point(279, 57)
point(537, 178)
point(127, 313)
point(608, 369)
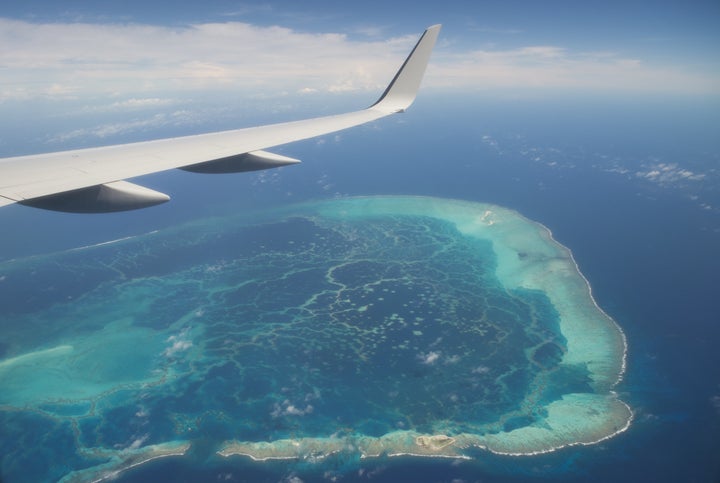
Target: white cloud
point(148, 122)
point(178, 343)
point(452, 359)
point(668, 174)
point(371, 31)
point(80, 60)
point(112, 129)
point(540, 52)
point(138, 442)
point(178, 346)
point(132, 105)
point(430, 358)
point(558, 67)
point(287, 408)
point(481, 370)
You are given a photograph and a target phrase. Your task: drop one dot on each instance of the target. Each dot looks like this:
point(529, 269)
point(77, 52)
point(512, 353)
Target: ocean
point(631, 187)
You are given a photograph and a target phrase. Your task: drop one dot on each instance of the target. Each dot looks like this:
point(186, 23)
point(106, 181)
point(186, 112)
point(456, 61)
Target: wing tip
point(402, 90)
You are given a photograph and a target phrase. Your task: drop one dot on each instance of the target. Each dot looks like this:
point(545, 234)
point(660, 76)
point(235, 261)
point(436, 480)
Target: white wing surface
point(92, 180)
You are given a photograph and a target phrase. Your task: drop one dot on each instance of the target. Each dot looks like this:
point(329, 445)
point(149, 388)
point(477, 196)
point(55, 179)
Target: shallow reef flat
point(124, 460)
point(527, 257)
point(366, 327)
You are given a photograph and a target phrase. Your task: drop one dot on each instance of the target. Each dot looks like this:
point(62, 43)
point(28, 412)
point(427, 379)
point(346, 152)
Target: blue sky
point(138, 48)
point(81, 73)
point(614, 22)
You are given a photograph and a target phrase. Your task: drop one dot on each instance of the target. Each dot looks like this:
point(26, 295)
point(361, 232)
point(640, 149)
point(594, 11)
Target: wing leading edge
point(92, 180)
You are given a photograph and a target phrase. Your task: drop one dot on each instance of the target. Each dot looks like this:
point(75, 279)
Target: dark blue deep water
point(648, 244)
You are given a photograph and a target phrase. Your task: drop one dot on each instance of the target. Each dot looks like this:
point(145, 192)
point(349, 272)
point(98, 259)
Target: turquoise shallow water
point(367, 326)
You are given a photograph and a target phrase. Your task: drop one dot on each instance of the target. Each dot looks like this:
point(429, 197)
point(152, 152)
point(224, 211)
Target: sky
point(77, 74)
point(147, 52)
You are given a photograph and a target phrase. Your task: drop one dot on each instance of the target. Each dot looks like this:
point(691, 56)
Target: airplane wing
point(92, 180)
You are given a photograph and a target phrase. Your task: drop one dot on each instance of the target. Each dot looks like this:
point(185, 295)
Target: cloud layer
point(67, 60)
point(559, 68)
point(77, 59)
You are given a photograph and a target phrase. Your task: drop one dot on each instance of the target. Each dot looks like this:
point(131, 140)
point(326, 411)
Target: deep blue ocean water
point(648, 248)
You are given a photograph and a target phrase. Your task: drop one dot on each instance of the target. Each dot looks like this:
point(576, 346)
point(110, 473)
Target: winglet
point(404, 87)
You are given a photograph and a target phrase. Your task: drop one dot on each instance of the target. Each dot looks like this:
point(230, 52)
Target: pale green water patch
point(369, 326)
point(526, 257)
point(120, 356)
